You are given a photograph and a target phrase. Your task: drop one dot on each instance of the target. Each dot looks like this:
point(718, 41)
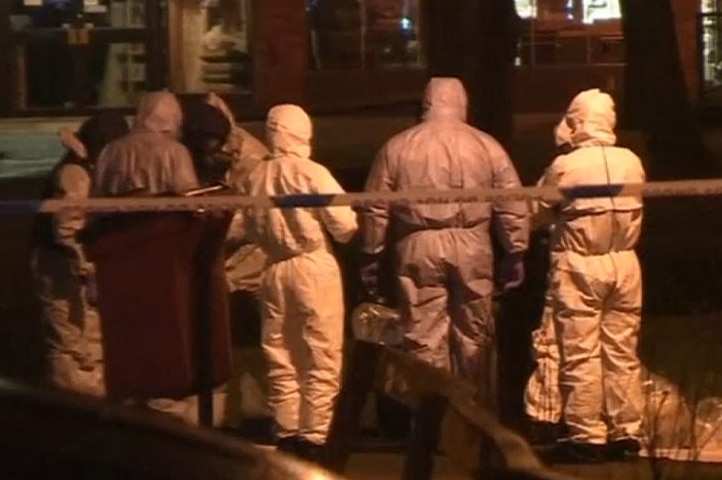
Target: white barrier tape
point(677, 188)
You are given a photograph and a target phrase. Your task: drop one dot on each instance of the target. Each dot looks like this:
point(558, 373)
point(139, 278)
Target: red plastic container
point(158, 276)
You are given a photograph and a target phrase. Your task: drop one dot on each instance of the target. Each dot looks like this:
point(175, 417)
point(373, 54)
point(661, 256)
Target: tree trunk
point(476, 41)
point(490, 66)
point(656, 98)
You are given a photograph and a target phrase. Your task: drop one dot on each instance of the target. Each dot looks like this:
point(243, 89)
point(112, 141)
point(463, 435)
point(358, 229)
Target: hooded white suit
point(303, 309)
point(595, 279)
point(443, 251)
point(150, 157)
point(542, 400)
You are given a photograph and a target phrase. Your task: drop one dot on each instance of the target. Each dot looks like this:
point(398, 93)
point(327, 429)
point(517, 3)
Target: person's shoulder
point(482, 135)
point(311, 166)
point(310, 170)
point(631, 160)
point(249, 143)
point(119, 142)
point(406, 134)
point(484, 140)
point(564, 162)
point(176, 148)
point(626, 152)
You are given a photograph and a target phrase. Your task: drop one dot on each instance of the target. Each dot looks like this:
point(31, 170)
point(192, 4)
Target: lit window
point(209, 46)
point(365, 33)
point(709, 6)
point(526, 8)
point(595, 10)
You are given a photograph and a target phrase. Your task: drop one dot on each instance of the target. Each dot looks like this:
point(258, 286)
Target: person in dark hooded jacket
point(205, 131)
point(61, 271)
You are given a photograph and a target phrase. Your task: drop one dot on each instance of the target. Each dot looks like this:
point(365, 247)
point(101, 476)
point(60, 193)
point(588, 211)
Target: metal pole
point(204, 328)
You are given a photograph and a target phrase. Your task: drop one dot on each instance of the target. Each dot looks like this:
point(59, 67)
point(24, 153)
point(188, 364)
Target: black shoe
point(578, 452)
point(543, 434)
point(312, 452)
point(288, 444)
point(623, 449)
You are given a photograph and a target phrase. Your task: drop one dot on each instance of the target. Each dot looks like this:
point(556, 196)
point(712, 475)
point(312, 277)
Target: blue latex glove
point(511, 271)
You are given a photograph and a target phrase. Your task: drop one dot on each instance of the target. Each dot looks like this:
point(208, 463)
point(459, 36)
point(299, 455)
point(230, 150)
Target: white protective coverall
point(595, 278)
point(247, 389)
point(150, 157)
point(60, 268)
point(542, 399)
point(303, 308)
point(443, 251)
point(246, 261)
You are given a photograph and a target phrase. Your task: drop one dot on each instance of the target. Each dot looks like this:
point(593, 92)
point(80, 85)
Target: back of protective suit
point(595, 226)
point(287, 232)
point(443, 152)
point(151, 158)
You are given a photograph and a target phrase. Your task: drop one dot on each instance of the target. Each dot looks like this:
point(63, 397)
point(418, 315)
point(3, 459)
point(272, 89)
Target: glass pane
point(53, 74)
point(558, 35)
point(595, 10)
point(538, 45)
point(392, 33)
point(709, 6)
point(122, 13)
point(335, 30)
point(526, 8)
point(119, 76)
point(44, 74)
point(712, 53)
point(210, 46)
point(64, 13)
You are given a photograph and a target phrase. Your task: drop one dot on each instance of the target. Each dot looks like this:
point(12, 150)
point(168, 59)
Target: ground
point(680, 255)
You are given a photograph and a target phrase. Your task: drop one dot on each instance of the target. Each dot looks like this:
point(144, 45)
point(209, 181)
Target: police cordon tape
point(676, 188)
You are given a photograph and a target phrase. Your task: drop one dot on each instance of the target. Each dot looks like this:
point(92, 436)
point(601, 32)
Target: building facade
point(74, 56)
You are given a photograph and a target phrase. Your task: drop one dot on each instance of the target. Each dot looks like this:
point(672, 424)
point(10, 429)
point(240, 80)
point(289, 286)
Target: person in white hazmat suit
point(596, 287)
point(247, 389)
point(444, 258)
point(542, 399)
point(150, 160)
point(151, 157)
point(303, 307)
point(63, 276)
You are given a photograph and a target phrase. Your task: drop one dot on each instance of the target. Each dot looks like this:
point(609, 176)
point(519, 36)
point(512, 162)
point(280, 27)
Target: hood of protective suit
point(445, 98)
point(562, 133)
point(159, 112)
point(216, 101)
point(289, 131)
point(234, 141)
point(591, 119)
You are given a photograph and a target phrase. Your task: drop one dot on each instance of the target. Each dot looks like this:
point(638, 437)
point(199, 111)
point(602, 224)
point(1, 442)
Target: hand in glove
point(511, 271)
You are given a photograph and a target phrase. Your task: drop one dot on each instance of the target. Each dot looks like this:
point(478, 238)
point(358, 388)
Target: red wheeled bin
point(163, 303)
